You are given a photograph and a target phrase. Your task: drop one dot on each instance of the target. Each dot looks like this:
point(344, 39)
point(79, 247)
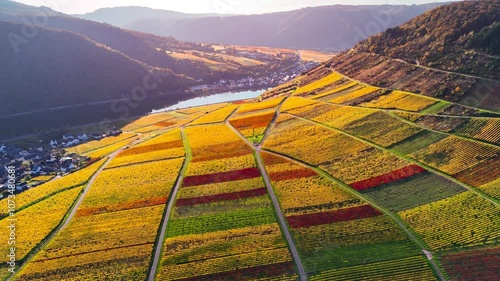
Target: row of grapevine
point(85, 148)
point(336, 233)
point(477, 264)
point(166, 146)
point(486, 129)
point(57, 185)
point(32, 225)
point(401, 101)
point(216, 116)
point(114, 230)
point(253, 126)
point(223, 226)
point(447, 216)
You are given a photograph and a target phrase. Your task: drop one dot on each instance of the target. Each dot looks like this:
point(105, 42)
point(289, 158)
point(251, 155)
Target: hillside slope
point(133, 44)
point(448, 53)
point(322, 178)
point(331, 179)
point(11, 7)
point(121, 16)
point(60, 68)
point(70, 62)
point(461, 37)
point(153, 50)
point(335, 27)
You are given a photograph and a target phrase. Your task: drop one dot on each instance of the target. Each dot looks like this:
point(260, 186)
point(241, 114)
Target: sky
point(207, 6)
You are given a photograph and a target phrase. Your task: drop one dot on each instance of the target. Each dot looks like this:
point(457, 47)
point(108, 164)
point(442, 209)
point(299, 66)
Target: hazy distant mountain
point(70, 70)
point(56, 73)
point(122, 16)
point(331, 27)
point(131, 43)
point(65, 62)
point(70, 62)
point(11, 7)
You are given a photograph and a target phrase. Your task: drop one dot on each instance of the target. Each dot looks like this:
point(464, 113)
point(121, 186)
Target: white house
point(68, 168)
point(22, 186)
point(36, 170)
point(68, 138)
point(73, 143)
point(54, 144)
point(83, 137)
point(65, 159)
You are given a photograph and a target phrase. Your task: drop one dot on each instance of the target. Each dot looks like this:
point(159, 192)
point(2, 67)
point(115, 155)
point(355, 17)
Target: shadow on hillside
point(47, 125)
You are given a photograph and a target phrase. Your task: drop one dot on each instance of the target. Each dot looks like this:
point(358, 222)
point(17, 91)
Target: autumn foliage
point(347, 214)
point(292, 174)
point(222, 177)
point(150, 148)
point(222, 197)
point(246, 273)
point(399, 174)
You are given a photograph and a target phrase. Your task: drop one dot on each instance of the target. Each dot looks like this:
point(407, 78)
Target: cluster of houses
point(256, 55)
point(49, 159)
point(69, 141)
point(33, 162)
point(268, 81)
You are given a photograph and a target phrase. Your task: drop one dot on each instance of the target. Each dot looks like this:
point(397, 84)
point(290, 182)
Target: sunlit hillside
point(368, 166)
point(333, 180)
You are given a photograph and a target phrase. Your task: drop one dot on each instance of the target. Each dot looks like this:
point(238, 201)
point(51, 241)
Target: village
point(36, 165)
point(251, 83)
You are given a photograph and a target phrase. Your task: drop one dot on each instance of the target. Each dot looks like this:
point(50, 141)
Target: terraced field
point(413, 191)
point(333, 180)
point(113, 232)
point(336, 231)
point(163, 147)
point(253, 126)
point(401, 100)
point(223, 225)
point(480, 265)
point(460, 221)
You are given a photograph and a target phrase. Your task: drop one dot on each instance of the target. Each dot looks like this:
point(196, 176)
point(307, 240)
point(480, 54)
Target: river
point(212, 99)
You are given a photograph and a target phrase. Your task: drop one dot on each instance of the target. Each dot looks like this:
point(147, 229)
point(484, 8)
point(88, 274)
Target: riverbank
point(29, 129)
point(213, 99)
